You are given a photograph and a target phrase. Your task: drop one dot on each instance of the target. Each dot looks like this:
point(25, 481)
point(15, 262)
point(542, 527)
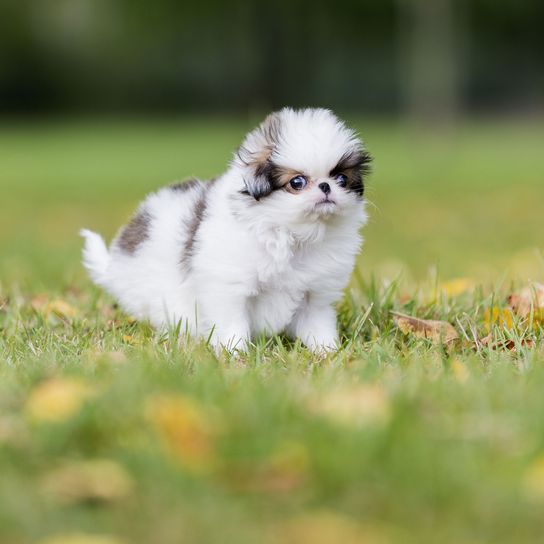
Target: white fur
point(256, 266)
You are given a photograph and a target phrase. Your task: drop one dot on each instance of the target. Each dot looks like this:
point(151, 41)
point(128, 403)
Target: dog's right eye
point(298, 183)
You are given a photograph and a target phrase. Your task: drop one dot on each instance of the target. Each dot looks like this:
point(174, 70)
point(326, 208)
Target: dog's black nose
point(325, 187)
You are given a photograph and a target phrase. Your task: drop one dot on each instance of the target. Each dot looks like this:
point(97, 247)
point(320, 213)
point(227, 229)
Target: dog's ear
point(259, 182)
point(255, 155)
point(356, 165)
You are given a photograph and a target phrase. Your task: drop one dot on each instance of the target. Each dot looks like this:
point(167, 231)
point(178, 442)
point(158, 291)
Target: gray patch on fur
point(268, 135)
point(269, 132)
point(135, 233)
point(199, 212)
point(184, 186)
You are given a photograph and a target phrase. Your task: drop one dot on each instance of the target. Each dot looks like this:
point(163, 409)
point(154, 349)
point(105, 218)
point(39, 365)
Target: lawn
point(111, 434)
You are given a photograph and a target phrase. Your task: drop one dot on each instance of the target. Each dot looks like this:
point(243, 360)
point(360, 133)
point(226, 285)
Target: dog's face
point(303, 166)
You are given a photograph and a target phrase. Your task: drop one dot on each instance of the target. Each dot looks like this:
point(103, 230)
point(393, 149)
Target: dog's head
point(303, 165)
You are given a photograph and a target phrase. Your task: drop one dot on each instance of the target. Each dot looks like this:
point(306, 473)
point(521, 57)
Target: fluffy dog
point(265, 248)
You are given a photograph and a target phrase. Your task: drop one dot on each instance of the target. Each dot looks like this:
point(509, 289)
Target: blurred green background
point(102, 101)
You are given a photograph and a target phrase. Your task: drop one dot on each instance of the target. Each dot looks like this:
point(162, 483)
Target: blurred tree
point(432, 58)
point(431, 44)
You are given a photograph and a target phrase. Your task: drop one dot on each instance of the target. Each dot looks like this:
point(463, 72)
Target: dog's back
point(144, 265)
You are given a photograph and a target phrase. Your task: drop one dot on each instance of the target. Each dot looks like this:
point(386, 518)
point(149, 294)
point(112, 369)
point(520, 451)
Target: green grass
point(392, 439)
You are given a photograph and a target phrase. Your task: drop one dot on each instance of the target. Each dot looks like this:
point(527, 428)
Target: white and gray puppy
point(265, 248)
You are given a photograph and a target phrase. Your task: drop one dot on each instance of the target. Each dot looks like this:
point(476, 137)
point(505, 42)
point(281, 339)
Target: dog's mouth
point(325, 203)
point(325, 208)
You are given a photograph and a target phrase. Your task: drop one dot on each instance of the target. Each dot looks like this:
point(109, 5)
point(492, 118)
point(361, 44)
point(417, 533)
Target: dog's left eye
point(342, 180)
point(298, 183)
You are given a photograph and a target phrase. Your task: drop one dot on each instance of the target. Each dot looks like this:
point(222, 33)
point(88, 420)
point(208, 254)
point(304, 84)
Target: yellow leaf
point(94, 480)
point(60, 308)
point(363, 404)
point(327, 527)
point(460, 371)
point(116, 357)
point(57, 399)
point(185, 429)
point(81, 538)
point(437, 331)
point(453, 288)
point(129, 339)
point(497, 316)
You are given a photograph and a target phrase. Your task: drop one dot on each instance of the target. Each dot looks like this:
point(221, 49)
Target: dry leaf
point(453, 288)
point(356, 405)
point(185, 429)
point(496, 316)
point(437, 331)
point(459, 371)
point(61, 309)
point(57, 399)
point(99, 480)
point(116, 357)
point(507, 344)
point(129, 339)
point(529, 299)
point(327, 527)
point(486, 340)
point(57, 307)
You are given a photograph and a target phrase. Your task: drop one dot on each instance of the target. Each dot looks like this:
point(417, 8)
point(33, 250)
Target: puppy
point(265, 248)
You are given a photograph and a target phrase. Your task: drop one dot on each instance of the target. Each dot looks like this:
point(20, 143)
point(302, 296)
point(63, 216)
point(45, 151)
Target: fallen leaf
point(60, 308)
point(81, 538)
point(497, 316)
point(98, 480)
point(486, 340)
point(529, 299)
point(57, 399)
point(437, 331)
point(129, 339)
point(459, 371)
point(185, 429)
point(455, 287)
point(326, 527)
point(366, 405)
point(116, 357)
point(506, 344)
point(57, 307)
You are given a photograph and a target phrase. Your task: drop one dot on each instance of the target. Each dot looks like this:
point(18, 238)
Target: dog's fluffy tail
point(96, 256)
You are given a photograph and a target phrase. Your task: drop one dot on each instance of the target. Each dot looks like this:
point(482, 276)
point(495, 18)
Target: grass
point(108, 429)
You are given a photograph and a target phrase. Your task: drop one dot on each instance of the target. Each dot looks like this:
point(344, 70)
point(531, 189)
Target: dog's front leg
point(227, 320)
point(315, 324)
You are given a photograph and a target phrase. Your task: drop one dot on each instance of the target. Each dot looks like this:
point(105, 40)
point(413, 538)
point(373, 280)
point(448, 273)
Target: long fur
point(243, 255)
